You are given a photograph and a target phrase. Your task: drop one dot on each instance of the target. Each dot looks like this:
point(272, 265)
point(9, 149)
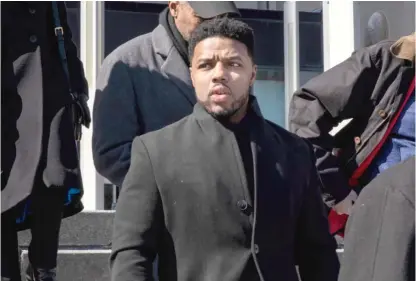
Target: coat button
point(382, 113)
point(33, 38)
point(336, 152)
point(242, 204)
point(256, 249)
point(32, 11)
point(357, 140)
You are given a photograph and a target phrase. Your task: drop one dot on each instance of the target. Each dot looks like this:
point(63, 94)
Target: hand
point(345, 206)
point(83, 114)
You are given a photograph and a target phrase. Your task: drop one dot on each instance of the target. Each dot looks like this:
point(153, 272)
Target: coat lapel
point(226, 146)
point(266, 144)
point(213, 128)
point(173, 66)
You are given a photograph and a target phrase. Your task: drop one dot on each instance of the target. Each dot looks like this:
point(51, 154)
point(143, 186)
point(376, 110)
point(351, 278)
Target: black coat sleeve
point(315, 247)
point(76, 70)
point(324, 102)
point(115, 120)
point(138, 221)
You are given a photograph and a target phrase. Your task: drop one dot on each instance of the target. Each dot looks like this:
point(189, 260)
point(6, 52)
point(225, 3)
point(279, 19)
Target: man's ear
point(253, 76)
point(173, 8)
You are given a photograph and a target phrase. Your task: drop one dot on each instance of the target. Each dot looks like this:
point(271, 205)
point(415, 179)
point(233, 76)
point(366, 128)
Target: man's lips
point(219, 91)
point(219, 94)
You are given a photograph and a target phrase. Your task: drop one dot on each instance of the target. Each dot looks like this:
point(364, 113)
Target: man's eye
point(235, 64)
point(203, 65)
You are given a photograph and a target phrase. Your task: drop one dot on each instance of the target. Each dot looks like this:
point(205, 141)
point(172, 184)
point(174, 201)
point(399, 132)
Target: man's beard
point(226, 114)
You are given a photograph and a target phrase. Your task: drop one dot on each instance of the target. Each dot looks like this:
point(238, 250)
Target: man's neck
point(239, 115)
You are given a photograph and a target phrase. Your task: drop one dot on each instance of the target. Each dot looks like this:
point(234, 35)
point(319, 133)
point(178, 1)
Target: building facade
point(295, 41)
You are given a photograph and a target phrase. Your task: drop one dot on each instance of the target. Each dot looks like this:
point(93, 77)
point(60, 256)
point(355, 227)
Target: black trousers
point(46, 214)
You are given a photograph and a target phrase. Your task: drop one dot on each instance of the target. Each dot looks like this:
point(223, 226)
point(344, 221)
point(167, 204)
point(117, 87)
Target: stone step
point(78, 265)
point(84, 247)
point(87, 229)
point(83, 265)
point(91, 229)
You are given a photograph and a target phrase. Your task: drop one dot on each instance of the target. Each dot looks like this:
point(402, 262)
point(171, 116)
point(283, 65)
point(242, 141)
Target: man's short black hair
point(222, 27)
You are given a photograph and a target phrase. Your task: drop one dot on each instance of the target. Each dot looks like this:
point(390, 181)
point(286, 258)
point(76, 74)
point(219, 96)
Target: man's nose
point(220, 73)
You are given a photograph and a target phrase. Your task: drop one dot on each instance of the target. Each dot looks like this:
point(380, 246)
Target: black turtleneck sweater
point(242, 135)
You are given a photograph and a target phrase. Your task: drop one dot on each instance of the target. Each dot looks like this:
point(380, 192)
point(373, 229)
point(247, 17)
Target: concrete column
point(291, 52)
point(338, 31)
point(339, 37)
point(92, 54)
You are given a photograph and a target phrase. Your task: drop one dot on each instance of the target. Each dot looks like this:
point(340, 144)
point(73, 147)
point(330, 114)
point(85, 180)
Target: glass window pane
point(310, 41)
point(271, 98)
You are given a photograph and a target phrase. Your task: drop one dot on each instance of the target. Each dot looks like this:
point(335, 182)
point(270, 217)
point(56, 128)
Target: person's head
point(222, 67)
point(188, 15)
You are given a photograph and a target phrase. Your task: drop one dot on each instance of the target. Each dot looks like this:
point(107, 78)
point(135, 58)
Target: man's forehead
point(217, 46)
point(210, 54)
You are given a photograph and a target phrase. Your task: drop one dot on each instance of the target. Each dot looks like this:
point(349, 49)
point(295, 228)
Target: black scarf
point(167, 21)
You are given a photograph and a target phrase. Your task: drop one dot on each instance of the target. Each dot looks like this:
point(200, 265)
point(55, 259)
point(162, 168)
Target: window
point(127, 20)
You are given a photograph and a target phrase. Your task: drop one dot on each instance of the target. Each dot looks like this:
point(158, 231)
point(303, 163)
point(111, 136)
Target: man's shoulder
point(298, 152)
point(380, 51)
point(384, 44)
point(289, 139)
point(167, 135)
point(133, 52)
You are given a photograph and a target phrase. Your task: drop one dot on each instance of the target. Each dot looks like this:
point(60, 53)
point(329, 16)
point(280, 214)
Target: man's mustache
point(219, 87)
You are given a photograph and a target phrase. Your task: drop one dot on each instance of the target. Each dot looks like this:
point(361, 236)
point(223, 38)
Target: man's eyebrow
point(204, 59)
point(233, 57)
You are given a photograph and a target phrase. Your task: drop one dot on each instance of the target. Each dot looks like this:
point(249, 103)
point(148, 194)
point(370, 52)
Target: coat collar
point(404, 48)
point(162, 44)
point(173, 65)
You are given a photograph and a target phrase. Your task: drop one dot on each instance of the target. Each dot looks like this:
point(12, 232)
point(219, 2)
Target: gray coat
point(186, 199)
point(380, 235)
point(143, 86)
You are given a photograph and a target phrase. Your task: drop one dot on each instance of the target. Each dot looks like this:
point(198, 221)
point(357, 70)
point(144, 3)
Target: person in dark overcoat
point(144, 84)
point(380, 233)
point(222, 194)
point(40, 176)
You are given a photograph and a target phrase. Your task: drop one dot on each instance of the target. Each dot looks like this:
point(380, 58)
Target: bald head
point(186, 20)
